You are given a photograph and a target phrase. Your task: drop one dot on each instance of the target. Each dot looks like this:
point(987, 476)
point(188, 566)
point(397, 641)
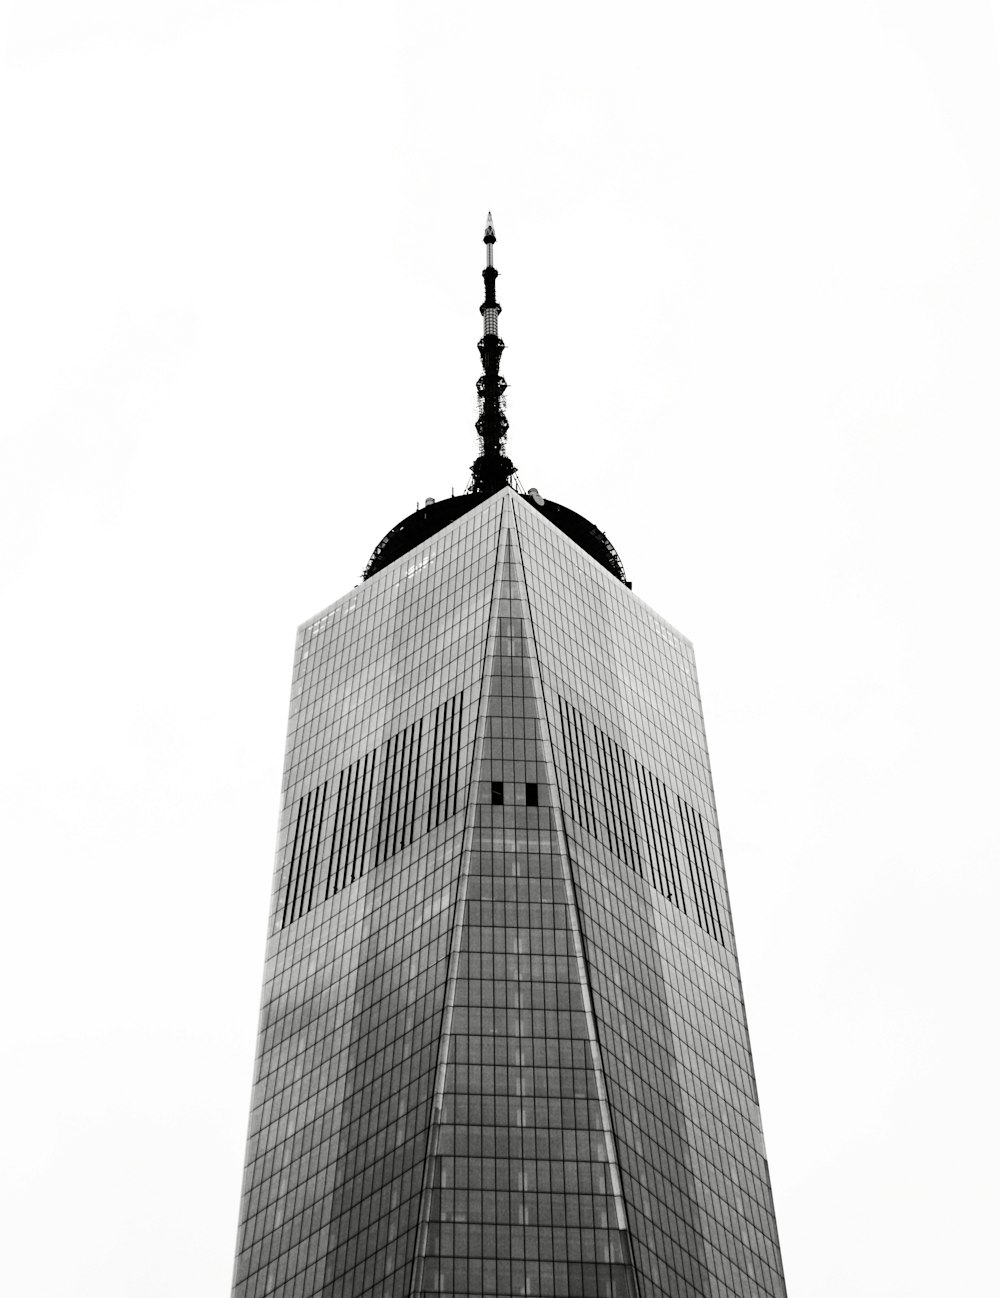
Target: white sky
point(750, 273)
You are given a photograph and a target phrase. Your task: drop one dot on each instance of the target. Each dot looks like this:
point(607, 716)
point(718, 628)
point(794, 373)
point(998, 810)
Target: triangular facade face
point(524, 1189)
point(502, 1042)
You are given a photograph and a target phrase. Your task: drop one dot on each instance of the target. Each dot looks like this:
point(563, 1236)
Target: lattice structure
point(492, 469)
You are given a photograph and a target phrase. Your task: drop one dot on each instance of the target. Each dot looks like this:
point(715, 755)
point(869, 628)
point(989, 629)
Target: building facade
point(502, 1047)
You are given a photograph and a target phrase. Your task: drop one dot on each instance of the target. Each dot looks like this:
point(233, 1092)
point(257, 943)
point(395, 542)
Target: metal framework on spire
point(492, 469)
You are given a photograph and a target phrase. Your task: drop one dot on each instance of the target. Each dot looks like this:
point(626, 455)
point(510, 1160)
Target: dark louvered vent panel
point(305, 849)
point(705, 899)
point(444, 761)
point(371, 809)
point(631, 811)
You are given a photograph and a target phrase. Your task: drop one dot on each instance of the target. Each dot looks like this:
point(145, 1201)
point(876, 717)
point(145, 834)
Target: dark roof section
point(417, 528)
point(424, 523)
point(585, 534)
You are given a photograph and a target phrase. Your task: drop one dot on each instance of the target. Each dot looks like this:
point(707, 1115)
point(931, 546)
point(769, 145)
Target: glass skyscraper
point(502, 1045)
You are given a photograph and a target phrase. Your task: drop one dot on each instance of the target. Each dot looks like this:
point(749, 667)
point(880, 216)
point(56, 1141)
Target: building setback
point(502, 1044)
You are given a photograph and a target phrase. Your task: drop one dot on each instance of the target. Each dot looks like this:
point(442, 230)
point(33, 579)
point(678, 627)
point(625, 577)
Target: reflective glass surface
point(502, 1045)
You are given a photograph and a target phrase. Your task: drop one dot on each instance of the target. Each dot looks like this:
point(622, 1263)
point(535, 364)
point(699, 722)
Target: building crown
point(492, 469)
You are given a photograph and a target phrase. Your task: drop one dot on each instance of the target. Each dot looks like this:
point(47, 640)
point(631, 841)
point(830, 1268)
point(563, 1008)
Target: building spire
point(492, 469)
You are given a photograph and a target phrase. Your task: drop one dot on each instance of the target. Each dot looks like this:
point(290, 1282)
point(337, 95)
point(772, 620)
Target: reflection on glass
point(502, 1044)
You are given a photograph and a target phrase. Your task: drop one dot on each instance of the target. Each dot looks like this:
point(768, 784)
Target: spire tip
point(493, 468)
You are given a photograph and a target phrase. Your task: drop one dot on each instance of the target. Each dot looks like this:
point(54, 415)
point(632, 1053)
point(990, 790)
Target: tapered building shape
point(502, 1047)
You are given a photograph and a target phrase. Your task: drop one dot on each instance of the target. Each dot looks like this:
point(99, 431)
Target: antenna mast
point(492, 469)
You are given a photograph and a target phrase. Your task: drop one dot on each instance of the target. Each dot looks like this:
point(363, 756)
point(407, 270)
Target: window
point(531, 795)
point(498, 793)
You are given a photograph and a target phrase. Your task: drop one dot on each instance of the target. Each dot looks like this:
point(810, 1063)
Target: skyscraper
point(502, 1045)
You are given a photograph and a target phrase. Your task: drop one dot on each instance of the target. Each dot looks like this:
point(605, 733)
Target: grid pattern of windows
point(512, 1059)
point(521, 1192)
point(354, 986)
point(663, 972)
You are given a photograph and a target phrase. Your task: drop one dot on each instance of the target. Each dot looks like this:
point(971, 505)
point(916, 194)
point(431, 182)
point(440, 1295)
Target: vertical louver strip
point(390, 796)
point(306, 849)
point(627, 806)
point(344, 851)
point(340, 870)
point(416, 778)
point(380, 831)
point(710, 875)
point(573, 777)
point(355, 846)
point(403, 802)
point(315, 851)
point(672, 845)
point(431, 802)
point(703, 895)
point(361, 844)
point(605, 783)
point(304, 845)
point(458, 752)
point(293, 864)
point(703, 865)
point(581, 735)
point(654, 845)
point(446, 745)
point(331, 876)
point(692, 872)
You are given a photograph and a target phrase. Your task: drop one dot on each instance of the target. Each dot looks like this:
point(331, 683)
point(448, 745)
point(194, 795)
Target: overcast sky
point(750, 272)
